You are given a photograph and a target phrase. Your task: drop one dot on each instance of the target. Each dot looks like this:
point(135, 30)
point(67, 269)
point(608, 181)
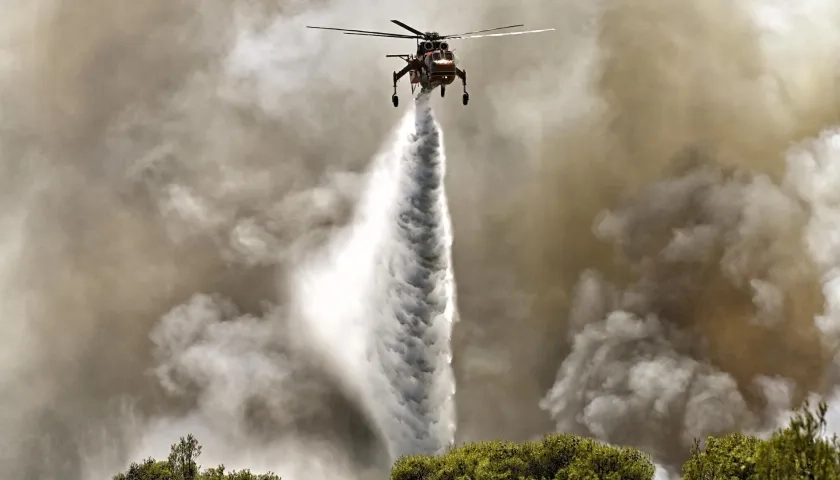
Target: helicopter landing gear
point(442, 91)
point(463, 74)
point(394, 98)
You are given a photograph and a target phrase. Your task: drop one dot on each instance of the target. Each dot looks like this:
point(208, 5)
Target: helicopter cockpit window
point(437, 55)
point(449, 55)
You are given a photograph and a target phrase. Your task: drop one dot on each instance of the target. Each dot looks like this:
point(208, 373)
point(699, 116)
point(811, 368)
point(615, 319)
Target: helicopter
point(433, 64)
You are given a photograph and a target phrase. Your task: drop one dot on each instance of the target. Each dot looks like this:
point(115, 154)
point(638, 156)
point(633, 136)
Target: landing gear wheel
point(442, 91)
point(466, 98)
point(395, 100)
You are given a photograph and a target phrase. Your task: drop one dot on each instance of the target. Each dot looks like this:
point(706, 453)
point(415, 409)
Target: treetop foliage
point(800, 451)
point(554, 457)
point(182, 465)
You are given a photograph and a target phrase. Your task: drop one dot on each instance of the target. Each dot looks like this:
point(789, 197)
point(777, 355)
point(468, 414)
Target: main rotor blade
point(505, 34)
point(357, 31)
point(411, 37)
point(482, 31)
point(410, 29)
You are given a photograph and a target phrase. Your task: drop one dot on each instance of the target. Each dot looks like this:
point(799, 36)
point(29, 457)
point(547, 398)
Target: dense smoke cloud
point(646, 83)
point(160, 152)
point(711, 282)
point(716, 266)
point(155, 153)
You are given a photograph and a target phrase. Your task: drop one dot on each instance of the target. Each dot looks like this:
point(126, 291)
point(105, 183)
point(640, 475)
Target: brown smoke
point(148, 161)
point(147, 172)
point(671, 80)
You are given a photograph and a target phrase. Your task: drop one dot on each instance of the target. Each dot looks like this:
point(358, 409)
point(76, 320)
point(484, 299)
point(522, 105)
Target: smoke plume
point(627, 90)
point(685, 286)
point(150, 159)
point(715, 262)
point(170, 171)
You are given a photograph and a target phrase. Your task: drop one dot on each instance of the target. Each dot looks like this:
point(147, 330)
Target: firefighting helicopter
point(433, 64)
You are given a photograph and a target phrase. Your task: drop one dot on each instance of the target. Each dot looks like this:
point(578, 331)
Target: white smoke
point(629, 373)
point(250, 388)
point(374, 310)
point(814, 177)
point(701, 243)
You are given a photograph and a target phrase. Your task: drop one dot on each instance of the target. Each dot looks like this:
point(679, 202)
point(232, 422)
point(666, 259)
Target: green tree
point(554, 457)
point(732, 457)
point(797, 452)
point(149, 469)
point(218, 473)
point(182, 465)
point(182, 458)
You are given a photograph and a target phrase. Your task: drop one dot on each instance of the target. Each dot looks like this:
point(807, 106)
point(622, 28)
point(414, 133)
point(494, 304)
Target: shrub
point(555, 457)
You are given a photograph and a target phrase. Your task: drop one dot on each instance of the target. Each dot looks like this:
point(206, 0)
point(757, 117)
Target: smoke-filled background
point(643, 206)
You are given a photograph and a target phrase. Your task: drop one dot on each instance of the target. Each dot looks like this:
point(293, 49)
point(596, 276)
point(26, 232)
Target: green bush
point(793, 453)
point(181, 465)
point(556, 457)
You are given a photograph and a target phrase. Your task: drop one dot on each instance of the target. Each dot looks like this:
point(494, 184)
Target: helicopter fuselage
point(433, 69)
